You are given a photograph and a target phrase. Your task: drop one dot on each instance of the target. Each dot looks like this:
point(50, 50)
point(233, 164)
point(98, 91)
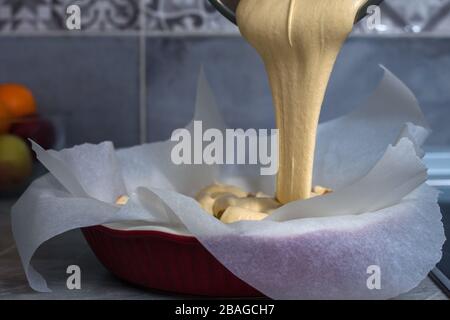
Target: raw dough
point(231, 204)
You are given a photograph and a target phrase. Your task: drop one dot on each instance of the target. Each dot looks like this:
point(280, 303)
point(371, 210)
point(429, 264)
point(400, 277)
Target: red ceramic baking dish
point(164, 261)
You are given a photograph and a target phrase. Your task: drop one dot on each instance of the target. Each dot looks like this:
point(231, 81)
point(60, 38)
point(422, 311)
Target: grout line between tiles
point(143, 119)
point(194, 34)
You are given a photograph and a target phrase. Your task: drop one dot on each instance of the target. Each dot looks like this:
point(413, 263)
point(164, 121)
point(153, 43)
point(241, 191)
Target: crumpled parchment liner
point(380, 213)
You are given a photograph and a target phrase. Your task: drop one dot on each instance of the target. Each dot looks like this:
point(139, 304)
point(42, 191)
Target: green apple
point(15, 162)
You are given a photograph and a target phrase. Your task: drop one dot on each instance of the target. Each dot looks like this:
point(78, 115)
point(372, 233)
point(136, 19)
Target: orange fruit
point(5, 119)
point(18, 99)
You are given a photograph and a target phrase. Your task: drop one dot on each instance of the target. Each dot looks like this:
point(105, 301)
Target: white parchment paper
point(381, 212)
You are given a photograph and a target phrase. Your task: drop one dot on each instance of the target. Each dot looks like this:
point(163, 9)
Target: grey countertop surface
point(57, 254)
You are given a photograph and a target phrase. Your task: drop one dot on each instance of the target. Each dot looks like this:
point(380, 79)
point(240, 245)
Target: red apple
point(37, 129)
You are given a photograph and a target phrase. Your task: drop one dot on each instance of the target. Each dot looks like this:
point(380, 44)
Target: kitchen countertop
point(57, 254)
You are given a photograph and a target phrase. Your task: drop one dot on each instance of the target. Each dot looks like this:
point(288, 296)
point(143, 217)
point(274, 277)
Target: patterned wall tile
point(411, 16)
point(195, 16)
point(50, 15)
point(397, 16)
point(107, 15)
point(419, 15)
point(26, 15)
point(185, 16)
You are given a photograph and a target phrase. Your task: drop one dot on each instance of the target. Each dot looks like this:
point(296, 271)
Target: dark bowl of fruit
point(20, 121)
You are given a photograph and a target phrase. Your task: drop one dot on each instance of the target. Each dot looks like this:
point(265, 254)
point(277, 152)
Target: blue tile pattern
point(40, 16)
point(195, 16)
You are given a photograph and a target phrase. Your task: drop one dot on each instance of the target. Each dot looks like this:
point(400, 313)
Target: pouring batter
point(299, 41)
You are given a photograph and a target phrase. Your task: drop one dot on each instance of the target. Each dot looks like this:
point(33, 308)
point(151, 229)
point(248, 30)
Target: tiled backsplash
point(240, 84)
point(131, 72)
point(92, 83)
point(111, 16)
point(193, 16)
point(40, 16)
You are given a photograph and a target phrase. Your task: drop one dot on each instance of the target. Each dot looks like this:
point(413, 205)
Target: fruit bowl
point(18, 165)
point(164, 261)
